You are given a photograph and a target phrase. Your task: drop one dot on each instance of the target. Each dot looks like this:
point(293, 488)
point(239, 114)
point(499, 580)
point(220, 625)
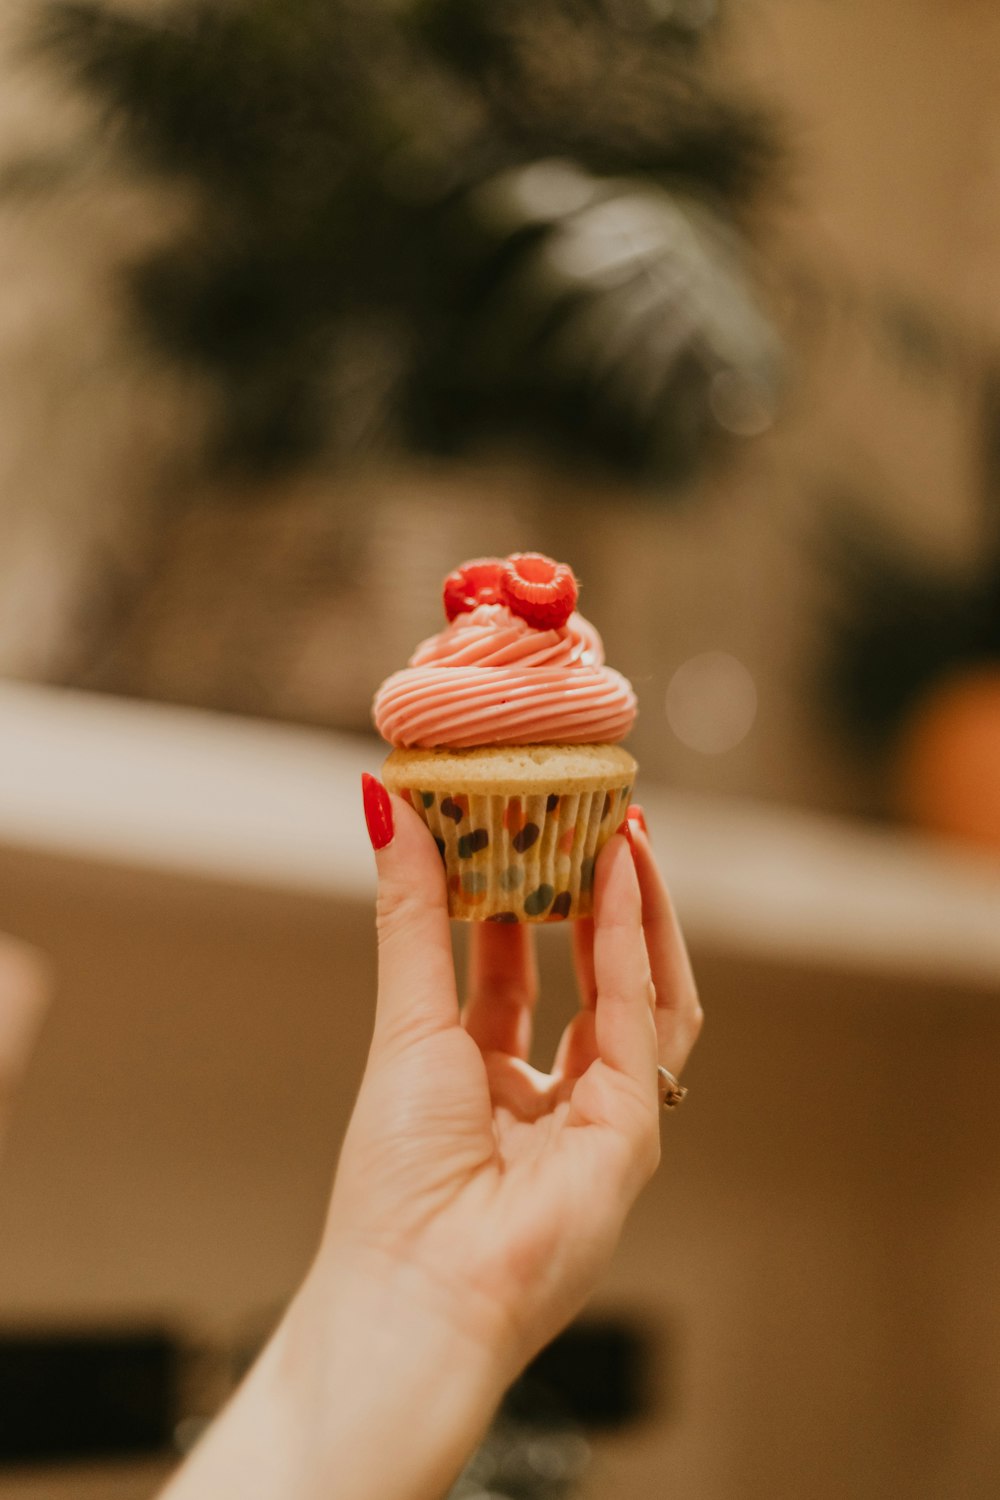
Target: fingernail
point(378, 811)
point(626, 829)
point(635, 814)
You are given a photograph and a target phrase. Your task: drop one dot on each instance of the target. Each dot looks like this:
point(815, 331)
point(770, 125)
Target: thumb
point(416, 973)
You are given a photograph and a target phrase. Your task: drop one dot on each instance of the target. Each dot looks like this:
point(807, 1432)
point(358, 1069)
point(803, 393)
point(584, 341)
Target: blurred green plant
point(445, 225)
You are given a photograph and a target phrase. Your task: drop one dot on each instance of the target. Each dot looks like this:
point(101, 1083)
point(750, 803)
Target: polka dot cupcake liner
point(527, 858)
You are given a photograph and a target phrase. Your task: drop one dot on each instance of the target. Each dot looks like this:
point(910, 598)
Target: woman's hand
point(476, 1201)
point(502, 1190)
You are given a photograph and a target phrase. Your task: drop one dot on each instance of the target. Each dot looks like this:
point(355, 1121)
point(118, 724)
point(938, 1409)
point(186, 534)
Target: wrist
point(366, 1391)
point(388, 1391)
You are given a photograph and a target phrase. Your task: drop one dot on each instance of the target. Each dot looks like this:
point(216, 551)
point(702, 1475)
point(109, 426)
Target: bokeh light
point(711, 703)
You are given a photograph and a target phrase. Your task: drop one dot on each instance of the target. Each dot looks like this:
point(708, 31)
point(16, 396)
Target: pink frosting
point(491, 678)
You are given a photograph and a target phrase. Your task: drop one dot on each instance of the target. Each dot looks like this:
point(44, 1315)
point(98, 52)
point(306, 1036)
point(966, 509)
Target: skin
point(477, 1201)
point(24, 989)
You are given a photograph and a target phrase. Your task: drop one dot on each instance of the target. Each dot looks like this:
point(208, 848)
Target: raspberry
point(541, 591)
point(476, 582)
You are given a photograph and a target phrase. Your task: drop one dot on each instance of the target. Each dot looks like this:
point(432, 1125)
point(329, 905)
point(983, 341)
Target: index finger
point(503, 987)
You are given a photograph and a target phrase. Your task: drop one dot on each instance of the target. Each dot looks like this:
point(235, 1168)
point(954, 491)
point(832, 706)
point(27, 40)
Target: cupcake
point(505, 729)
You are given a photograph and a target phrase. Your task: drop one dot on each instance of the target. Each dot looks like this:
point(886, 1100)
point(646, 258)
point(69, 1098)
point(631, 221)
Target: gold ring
point(671, 1092)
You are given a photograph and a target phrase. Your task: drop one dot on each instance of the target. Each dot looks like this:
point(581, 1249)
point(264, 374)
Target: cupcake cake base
point(519, 827)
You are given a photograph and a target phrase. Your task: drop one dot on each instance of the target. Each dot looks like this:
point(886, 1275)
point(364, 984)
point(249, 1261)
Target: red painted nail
point(626, 829)
point(378, 811)
point(635, 814)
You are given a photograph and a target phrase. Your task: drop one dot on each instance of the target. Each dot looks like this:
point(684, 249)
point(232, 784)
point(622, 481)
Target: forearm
point(364, 1395)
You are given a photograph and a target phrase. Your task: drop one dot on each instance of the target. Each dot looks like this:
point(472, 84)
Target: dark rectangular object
point(597, 1373)
point(68, 1395)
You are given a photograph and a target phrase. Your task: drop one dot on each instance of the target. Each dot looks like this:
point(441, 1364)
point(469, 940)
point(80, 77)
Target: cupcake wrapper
point(515, 858)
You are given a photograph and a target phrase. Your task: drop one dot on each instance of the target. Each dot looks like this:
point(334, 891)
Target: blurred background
point(302, 303)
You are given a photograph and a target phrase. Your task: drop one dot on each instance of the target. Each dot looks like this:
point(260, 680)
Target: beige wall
point(820, 1246)
point(817, 1257)
point(893, 191)
point(90, 434)
point(893, 185)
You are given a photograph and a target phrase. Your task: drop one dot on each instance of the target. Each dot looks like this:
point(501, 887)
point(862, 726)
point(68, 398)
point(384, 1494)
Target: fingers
point(615, 1097)
point(503, 987)
point(678, 1012)
point(416, 976)
point(577, 1046)
point(583, 961)
point(624, 1033)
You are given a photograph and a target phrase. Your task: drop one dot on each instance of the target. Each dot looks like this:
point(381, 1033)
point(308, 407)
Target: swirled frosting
point(490, 678)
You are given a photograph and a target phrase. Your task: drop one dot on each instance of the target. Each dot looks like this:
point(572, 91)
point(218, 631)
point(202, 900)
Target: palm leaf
point(358, 164)
point(601, 318)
